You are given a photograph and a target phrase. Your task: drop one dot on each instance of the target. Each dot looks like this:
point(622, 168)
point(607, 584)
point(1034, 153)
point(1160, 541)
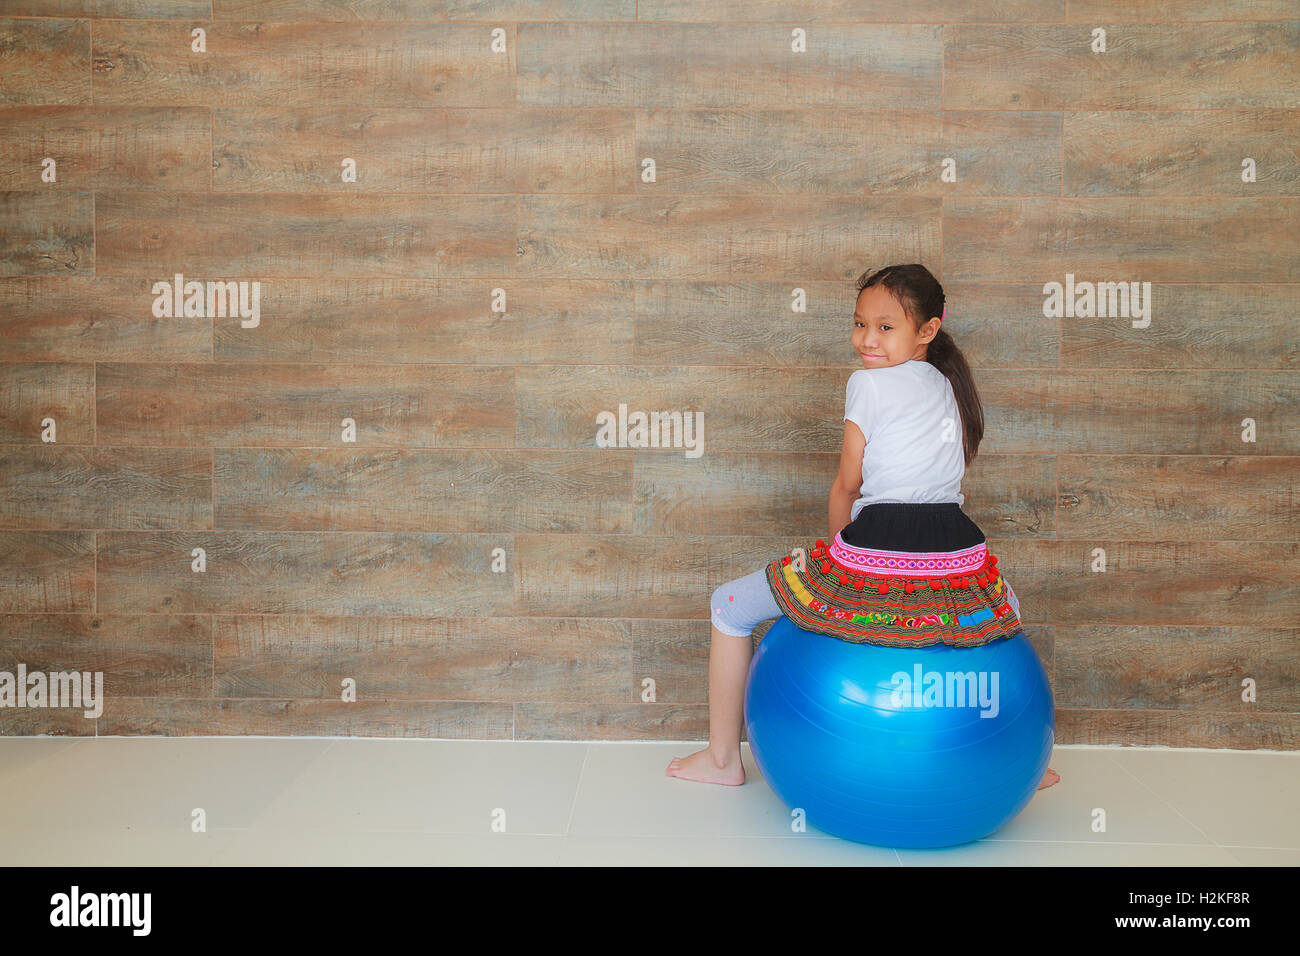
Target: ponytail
point(942, 352)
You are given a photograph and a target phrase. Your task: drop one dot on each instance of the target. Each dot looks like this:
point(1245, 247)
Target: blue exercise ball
point(875, 748)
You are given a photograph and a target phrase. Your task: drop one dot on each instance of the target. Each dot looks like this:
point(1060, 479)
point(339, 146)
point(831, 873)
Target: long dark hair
point(922, 298)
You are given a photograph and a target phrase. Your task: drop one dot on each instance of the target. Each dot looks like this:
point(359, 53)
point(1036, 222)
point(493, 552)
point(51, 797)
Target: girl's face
point(883, 335)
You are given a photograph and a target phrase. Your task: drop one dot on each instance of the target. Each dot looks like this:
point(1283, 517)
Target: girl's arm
point(848, 481)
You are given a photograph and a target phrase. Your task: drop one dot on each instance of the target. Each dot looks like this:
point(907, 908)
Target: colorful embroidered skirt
point(901, 575)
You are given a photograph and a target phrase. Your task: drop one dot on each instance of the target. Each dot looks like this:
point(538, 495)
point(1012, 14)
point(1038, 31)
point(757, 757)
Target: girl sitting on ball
point(906, 566)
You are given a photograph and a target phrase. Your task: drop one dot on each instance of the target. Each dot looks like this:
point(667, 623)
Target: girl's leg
point(736, 608)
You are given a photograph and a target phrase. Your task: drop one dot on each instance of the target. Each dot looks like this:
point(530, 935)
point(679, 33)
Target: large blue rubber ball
point(899, 747)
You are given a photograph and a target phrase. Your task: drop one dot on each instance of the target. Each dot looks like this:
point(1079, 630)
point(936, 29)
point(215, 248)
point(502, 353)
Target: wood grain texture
point(765, 151)
point(69, 487)
point(152, 9)
point(47, 572)
point(32, 393)
point(261, 236)
point(1112, 239)
point(255, 63)
point(1147, 66)
point(280, 572)
point(674, 656)
point(558, 405)
point(208, 717)
point(256, 404)
point(503, 270)
point(1172, 728)
point(835, 11)
point(413, 321)
point(87, 318)
point(490, 10)
point(733, 237)
point(1222, 326)
point(577, 721)
point(425, 150)
point(46, 8)
point(116, 9)
point(430, 659)
point(45, 722)
point(633, 576)
point(1183, 412)
point(106, 147)
point(725, 493)
point(1144, 152)
point(1183, 11)
point(718, 65)
point(1179, 668)
point(1012, 496)
point(46, 234)
point(144, 655)
point(742, 323)
point(46, 61)
point(454, 491)
point(1235, 498)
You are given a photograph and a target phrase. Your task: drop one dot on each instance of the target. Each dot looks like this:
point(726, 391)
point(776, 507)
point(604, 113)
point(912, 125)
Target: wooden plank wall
point(472, 560)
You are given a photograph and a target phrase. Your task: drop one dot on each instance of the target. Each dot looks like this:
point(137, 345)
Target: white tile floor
point(129, 801)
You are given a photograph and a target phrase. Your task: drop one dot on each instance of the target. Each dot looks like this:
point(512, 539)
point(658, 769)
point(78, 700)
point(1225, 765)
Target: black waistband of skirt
point(913, 526)
point(912, 506)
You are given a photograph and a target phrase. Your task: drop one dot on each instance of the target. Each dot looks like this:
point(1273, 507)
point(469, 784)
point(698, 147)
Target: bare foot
point(702, 766)
point(1049, 778)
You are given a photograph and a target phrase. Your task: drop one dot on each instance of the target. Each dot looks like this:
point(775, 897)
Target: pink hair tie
point(944, 313)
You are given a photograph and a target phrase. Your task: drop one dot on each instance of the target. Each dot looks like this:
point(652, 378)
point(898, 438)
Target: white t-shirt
point(909, 416)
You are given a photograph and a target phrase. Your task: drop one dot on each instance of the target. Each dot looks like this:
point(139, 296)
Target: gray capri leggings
point(741, 605)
